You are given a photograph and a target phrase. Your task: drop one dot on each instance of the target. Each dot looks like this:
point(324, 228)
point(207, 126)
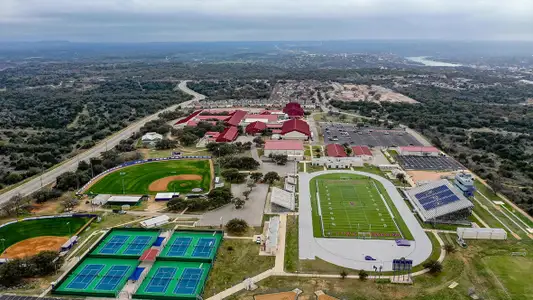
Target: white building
point(419, 151)
point(151, 138)
point(272, 234)
point(338, 162)
point(293, 149)
point(282, 198)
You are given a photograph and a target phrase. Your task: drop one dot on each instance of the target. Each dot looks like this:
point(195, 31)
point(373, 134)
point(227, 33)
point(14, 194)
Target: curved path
point(350, 253)
point(50, 175)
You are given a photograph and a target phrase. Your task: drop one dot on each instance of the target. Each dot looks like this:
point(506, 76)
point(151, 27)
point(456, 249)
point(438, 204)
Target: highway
point(71, 164)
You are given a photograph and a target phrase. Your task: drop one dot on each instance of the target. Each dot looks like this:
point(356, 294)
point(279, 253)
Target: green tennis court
point(98, 277)
point(190, 245)
point(127, 243)
point(173, 279)
point(352, 206)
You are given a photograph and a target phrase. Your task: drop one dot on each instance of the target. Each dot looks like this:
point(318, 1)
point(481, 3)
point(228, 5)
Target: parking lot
point(373, 137)
point(434, 163)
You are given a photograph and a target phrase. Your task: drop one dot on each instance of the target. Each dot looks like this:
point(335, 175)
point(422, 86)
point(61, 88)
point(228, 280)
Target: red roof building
point(293, 110)
point(300, 127)
point(283, 145)
point(189, 117)
point(212, 117)
point(229, 134)
point(335, 150)
point(236, 118)
point(255, 127)
point(361, 151)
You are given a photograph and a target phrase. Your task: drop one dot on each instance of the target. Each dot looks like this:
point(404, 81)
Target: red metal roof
point(278, 125)
point(255, 127)
point(293, 109)
point(228, 135)
point(236, 117)
point(284, 145)
point(296, 125)
point(335, 150)
point(149, 255)
point(207, 117)
point(195, 123)
point(419, 149)
point(189, 117)
point(276, 131)
point(361, 150)
point(267, 118)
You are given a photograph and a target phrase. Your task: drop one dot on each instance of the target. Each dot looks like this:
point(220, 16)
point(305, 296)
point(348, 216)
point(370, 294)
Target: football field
point(352, 206)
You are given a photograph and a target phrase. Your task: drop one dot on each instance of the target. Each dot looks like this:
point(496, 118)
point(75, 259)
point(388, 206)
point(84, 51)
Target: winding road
point(71, 164)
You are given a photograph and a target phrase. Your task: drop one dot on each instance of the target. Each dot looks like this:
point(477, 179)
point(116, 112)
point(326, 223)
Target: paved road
point(108, 143)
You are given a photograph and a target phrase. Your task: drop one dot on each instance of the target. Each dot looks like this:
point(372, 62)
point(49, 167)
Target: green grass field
point(16, 232)
point(351, 206)
point(138, 178)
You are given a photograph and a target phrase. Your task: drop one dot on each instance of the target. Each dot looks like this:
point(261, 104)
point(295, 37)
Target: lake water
point(431, 63)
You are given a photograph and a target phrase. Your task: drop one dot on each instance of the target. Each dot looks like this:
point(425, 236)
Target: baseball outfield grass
point(19, 231)
point(150, 178)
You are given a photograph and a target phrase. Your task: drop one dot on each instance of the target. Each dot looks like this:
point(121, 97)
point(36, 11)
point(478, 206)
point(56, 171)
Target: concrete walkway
point(280, 254)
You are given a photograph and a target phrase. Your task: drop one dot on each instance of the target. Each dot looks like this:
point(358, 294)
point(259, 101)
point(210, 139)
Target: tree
point(449, 248)
point(270, 177)
point(69, 203)
point(67, 181)
point(233, 175)
point(187, 139)
point(239, 203)
point(176, 204)
point(220, 196)
point(401, 177)
point(433, 266)
point(258, 141)
point(241, 163)
point(256, 176)
point(165, 144)
point(280, 159)
point(250, 185)
point(363, 275)
point(246, 194)
point(46, 262)
point(237, 226)
point(343, 274)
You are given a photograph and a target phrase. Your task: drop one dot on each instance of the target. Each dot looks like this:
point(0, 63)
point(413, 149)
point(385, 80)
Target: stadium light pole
point(122, 177)
point(68, 224)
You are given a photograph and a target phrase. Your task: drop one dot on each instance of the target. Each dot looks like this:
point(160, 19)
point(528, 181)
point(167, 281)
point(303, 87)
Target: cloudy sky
point(263, 20)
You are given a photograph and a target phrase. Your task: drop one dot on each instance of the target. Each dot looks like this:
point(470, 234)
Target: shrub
point(237, 226)
point(433, 266)
point(344, 274)
point(363, 275)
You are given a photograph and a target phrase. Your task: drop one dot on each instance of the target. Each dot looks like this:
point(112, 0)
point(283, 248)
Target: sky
point(264, 20)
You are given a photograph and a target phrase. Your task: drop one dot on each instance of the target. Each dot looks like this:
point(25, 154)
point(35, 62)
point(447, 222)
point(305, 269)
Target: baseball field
point(26, 238)
point(150, 178)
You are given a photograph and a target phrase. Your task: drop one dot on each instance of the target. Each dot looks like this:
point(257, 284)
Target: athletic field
point(150, 178)
point(351, 206)
point(20, 231)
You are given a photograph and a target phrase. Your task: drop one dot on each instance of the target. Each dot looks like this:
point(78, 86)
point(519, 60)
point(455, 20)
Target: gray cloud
point(215, 20)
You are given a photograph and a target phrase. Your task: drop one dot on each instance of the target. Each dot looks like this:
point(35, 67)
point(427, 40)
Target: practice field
point(15, 234)
point(151, 178)
point(173, 279)
point(126, 243)
point(98, 276)
point(351, 206)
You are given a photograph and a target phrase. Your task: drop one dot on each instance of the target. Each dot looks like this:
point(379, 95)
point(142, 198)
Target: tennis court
point(174, 279)
point(126, 243)
point(98, 276)
point(352, 206)
point(194, 246)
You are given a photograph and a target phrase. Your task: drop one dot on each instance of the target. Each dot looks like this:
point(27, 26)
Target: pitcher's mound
point(33, 246)
point(160, 185)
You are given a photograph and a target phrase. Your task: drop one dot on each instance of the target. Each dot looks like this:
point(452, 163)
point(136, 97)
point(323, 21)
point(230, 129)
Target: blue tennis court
point(179, 246)
point(204, 247)
point(138, 245)
point(114, 244)
point(85, 277)
point(160, 281)
point(112, 278)
point(189, 281)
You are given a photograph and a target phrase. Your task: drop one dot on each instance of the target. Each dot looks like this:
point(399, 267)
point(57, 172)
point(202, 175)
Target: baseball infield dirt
point(277, 296)
point(33, 246)
point(160, 185)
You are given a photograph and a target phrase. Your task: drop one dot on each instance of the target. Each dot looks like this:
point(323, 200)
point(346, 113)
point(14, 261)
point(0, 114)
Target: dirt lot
point(33, 246)
point(428, 175)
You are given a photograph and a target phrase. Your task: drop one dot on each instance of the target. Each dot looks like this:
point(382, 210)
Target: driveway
point(281, 170)
point(252, 212)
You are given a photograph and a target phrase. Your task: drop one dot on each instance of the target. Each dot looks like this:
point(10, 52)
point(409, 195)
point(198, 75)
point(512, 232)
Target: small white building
point(272, 234)
point(419, 151)
point(337, 162)
point(155, 222)
point(151, 138)
point(282, 198)
point(293, 149)
point(165, 196)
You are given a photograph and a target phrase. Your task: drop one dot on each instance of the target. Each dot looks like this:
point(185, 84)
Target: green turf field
point(351, 206)
point(138, 178)
point(19, 231)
